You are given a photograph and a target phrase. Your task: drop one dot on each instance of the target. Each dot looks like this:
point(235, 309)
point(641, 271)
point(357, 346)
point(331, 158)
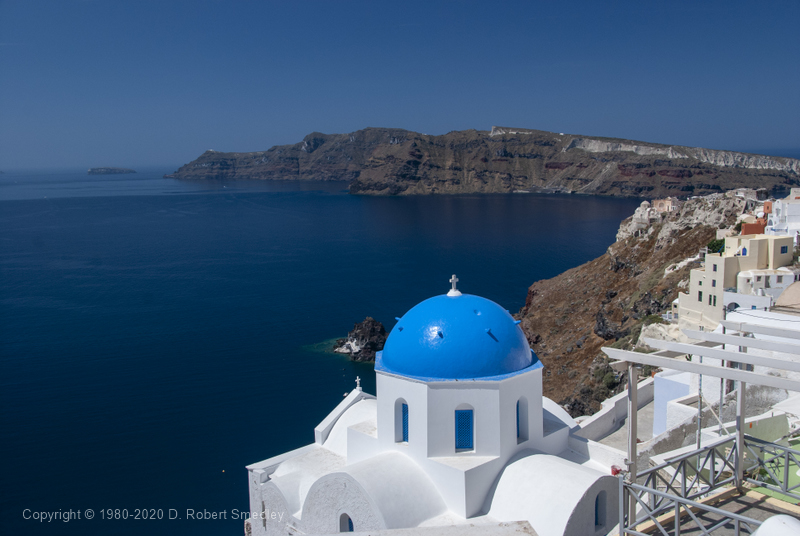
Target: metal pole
point(699, 407)
point(721, 385)
point(622, 525)
point(633, 407)
point(740, 396)
point(740, 415)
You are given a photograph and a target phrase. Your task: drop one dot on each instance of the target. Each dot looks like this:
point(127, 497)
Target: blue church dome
point(456, 337)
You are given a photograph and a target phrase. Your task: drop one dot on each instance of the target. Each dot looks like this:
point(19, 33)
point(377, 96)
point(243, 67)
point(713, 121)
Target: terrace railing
point(771, 465)
point(704, 519)
point(671, 490)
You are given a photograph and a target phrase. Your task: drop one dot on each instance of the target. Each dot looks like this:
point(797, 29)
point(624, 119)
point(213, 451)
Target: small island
point(361, 344)
point(110, 171)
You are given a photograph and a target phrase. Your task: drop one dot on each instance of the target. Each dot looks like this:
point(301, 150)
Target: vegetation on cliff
point(383, 161)
point(607, 301)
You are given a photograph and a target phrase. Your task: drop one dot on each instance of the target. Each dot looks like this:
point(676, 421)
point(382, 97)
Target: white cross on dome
point(454, 291)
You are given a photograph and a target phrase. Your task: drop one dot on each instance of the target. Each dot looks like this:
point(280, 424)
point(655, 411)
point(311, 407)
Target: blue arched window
point(405, 422)
point(464, 429)
point(744, 251)
point(401, 421)
point(600, 510)
point(345, 523)
point(522, 419)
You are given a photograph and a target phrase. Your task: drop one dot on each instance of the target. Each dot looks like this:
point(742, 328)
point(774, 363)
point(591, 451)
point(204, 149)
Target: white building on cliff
point(750, 273)
point(459, 433)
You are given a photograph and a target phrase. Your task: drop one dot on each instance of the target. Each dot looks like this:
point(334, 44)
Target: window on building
point(464, 430)
point(405, 422)
point(744, 251)
point(522, 419)
point(713, 267)
point(699, 283)
point(758, 278)
point(600, 510)
point(713, 282)
point(779, 279)
point(401, 421)
point(345, 523)
point(700, 295)
point(715, 301)
point(784, 249)
point(752, 307)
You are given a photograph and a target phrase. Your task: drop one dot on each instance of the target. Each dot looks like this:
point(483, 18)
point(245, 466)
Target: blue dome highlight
point(456, 338)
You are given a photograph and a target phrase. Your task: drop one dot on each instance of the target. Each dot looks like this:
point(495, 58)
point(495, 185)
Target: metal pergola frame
point(670, 355)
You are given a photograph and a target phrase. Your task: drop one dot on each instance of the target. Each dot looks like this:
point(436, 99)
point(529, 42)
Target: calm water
point(156, 336)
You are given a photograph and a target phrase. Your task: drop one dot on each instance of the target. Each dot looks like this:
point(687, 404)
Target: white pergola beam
point(697, 368)
point(727, 355)
point(748, 342)
point(745, 327)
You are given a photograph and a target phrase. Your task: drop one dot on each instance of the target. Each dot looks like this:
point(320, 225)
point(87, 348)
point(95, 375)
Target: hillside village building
point(751, 272)
point(644, 216)
point(668, 204)
point(458, 434)
point(783, 217)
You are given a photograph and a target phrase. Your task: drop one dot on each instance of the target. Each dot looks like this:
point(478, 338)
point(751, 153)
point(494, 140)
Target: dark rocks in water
point(361, 344)
point(109, 171)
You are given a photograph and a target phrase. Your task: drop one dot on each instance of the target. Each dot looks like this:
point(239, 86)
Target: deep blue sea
point(156, 335)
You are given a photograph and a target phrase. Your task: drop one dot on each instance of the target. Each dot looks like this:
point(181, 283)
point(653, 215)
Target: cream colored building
point(716, 284)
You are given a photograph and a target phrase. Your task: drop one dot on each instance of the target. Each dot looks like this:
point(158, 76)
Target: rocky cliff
point(366, 338)
point(381, 161)
point(569, 318)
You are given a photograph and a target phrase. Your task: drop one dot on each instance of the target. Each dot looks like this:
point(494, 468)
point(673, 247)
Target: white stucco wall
point(668, 386)
point(521, 492)
point(747, 301)
point(464, 478)
point(336, 494)
point(363, 410)
point(387, 491)
point(779, 525)
point(614, 412)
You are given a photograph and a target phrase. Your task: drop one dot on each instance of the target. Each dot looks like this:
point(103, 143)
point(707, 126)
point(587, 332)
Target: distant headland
point(386, 161)
point(110, 171)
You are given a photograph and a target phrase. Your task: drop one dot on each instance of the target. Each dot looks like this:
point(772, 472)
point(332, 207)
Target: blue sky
point(137, 83)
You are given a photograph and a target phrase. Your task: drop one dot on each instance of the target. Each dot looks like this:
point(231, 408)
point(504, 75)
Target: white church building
point(458, 434)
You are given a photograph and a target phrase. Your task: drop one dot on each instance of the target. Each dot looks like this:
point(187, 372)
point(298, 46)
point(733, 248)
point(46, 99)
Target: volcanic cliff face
point(569, 318)
point(380, 161)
